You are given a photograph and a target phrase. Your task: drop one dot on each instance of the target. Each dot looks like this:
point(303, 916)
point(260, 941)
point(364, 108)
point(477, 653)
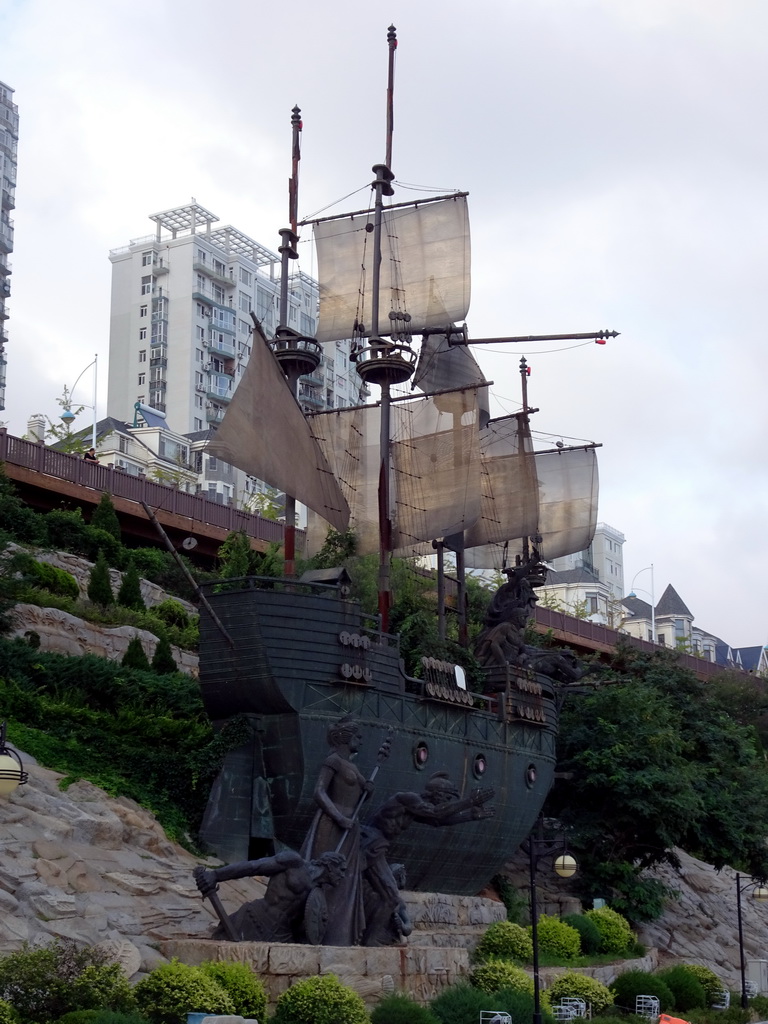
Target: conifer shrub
point(709, 981)
point(45, 983)
point(105, 518)
point(557, 938)
point(162, 660)
point(243, 987)
point(630, 984)
point(494, 975)
point(505, 940)
point(401, 1009)
point(135, 656)
point(461, 1003)
point(615, 933)
point(320, 1000)
point(129, 594)
point(175, 989)
point(580, 986)
point(686, 989)
point(588, 933)
point(99, 586)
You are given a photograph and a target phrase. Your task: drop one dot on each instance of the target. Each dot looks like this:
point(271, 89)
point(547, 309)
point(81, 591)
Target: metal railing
point(31, 455)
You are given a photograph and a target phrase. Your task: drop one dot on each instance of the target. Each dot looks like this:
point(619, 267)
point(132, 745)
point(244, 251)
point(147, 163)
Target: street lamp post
point(759, 893)
point(565, 867)
point(68, 416)
point(12, 772)
point(653, 599)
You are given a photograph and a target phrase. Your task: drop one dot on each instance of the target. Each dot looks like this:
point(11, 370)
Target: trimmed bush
point(162, 660)
point(641, 983)
point(105, 518)
point(7, 1013)
point(135, 656)
point(708, 980)
point(129, 594)
point(686, 989)
point(99, 585)
point(173, 613)
point(173, 990)
point(615, 934)
point(43, 984)
point(581, 987)
point(242, 986)
point(588, 933)
point(461, 1003)
point(506, 940)
point(321, 1000)
point(558, 938)
point(494, 975)
point(401, 1009)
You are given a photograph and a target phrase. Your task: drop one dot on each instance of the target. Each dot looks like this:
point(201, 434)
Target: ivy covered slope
point(654, 759)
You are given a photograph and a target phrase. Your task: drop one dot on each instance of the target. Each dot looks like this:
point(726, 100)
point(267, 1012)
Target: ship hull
point(300, 660)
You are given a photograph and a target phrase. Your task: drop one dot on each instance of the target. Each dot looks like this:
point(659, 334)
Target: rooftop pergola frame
point(194, 219)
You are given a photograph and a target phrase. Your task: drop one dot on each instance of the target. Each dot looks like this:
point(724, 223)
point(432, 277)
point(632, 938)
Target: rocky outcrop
point(62, 633)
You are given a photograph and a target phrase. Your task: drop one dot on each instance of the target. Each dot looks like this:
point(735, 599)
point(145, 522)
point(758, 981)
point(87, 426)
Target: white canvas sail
point(264, 433)
point(425, 252)
point(435, 474)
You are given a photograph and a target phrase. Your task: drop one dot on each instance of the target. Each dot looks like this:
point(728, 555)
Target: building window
point(199, 381)
point(198, 355)
point(219, 268)
point(142, 379)
point(198, 401)
point(245, 277)
point(142, 355)
point(147, 259)
point(142, 334)
point(679, 627)
point(245, 302)
point(142, 310)
point(147, 284)
point(202, 310)
point(218, 293)
point(202, 256)
point(662, 640)
point(198, 424)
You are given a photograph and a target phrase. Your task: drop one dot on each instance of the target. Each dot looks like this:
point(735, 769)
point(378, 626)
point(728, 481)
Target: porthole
point(530, 776)
point(420, 755)
point(480, 767)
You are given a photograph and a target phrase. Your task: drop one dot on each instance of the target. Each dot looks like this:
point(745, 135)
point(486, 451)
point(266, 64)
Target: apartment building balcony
point(6, 235)
point(310, 397)
point(313, 378)
point(159, 362)
point(5, 267)
point(226, 347)
point(160, 267)
point(204, 268)
point(5, 288)
point(214, 416)
point(8, 198)
point(218, 393)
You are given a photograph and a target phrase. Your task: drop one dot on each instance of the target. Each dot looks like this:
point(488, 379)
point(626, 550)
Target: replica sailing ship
point(409, 476)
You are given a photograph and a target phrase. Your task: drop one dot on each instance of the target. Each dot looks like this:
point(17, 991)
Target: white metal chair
point(564, 1013)
point(750, 987)
point(723, 1000)
point(494, 1017)
point(647, 1006)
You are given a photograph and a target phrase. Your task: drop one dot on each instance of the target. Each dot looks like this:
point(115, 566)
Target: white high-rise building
point(9, 138)
point(180, 326)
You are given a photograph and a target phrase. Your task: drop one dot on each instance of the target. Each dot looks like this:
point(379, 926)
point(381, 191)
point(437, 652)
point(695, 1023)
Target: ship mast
point(385, 362)
point(296, 354)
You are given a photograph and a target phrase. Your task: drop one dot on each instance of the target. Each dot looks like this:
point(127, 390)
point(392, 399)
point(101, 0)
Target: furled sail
point(264, 433)
point(425, 253)
point(435, 475)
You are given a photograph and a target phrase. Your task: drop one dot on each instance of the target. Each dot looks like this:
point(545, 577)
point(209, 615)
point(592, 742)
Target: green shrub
point(129, 594)
point(57, 581)
point(99, 585)
point(519, 1005)
point(321, 1000)
point(401, 1009)
point(615, 934)
point(588, 933)
point(709, 981)
point(135, 656)
point(96, 540)
point(510, 897)
point(173, 990)
point(558, 938)
point(461, 1003)
point(105, 518)
point(162, 660)
point(78, 1017)
point(241, 985)
point(497, 974)
point(66, 529)
point(19, 521)
point(7, 1013)
point(627, 986)
point(42, 984)
point(173, 613)
point(686, 989)
point(581, 987)
point(506, 940)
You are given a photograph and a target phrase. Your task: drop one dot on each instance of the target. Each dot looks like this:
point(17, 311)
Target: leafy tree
point(162, 660)
point(135, 656)
point(654, 760)
point(234, 555)
point(105, 518)
point(60, 434)
point(129, 594)
point(99, 585)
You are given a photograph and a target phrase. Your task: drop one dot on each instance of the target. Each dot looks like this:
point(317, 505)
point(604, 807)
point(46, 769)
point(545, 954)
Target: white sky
point(615, 153)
